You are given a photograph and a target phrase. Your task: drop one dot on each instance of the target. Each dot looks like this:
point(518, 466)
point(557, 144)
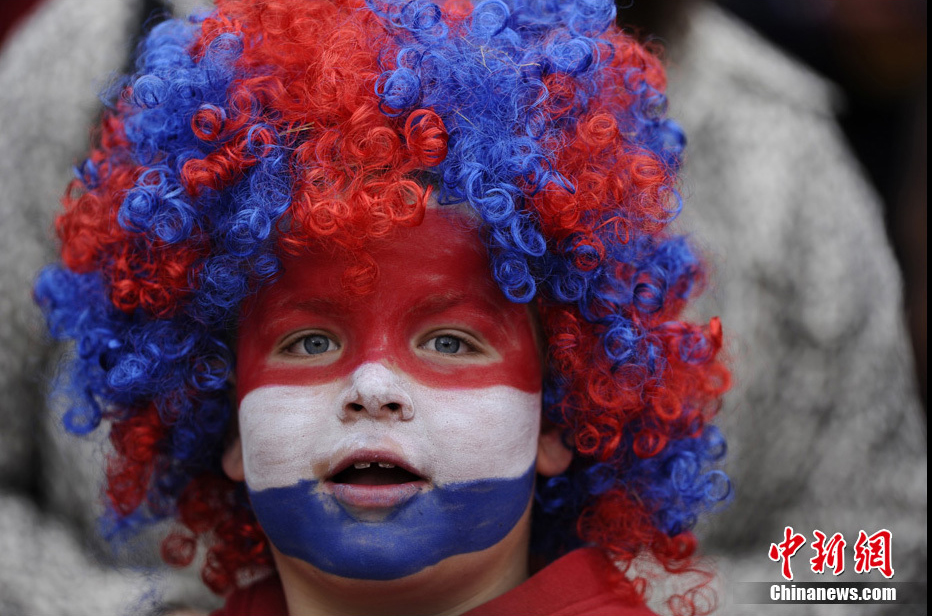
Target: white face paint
point(292, 433)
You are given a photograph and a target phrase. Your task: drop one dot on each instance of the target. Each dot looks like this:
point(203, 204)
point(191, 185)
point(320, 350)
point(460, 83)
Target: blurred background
point(874, 51)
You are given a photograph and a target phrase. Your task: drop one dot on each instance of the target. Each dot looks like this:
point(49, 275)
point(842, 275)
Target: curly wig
point(246, 133)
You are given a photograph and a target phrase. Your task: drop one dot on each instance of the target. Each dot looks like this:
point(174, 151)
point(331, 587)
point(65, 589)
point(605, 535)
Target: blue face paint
point(433, 525)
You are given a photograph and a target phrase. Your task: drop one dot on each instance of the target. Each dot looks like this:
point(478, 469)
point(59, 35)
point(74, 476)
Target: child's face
point(382, 434)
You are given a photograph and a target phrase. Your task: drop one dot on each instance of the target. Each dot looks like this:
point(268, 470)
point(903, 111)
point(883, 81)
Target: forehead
point(442, 258)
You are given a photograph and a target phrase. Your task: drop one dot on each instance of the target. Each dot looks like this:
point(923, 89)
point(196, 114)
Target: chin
point(458, 582)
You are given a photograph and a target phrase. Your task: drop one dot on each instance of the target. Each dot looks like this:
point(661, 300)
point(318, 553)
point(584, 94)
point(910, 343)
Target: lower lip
point(368, 497)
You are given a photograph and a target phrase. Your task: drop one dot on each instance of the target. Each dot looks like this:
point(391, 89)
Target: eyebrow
point(318, 305)
point(283, 309)
point(441, 302)
point(433, 304)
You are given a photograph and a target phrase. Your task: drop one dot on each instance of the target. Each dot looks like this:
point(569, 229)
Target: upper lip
point(373, 456)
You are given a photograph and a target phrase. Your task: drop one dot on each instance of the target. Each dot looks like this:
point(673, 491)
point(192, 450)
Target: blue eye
point(315, 344)
point(447, 344)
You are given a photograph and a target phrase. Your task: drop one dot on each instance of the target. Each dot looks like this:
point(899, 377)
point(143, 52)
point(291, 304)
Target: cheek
point(284, 430)
point(476, 434)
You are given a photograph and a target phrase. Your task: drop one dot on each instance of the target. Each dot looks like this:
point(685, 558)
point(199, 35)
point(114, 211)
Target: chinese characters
point(870, 552)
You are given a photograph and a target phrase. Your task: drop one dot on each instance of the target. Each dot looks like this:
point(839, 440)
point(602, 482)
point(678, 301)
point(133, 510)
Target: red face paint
point(432, 280)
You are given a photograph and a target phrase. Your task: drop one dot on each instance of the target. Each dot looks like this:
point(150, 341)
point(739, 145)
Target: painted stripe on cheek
point(296, 433)
point(304, 523)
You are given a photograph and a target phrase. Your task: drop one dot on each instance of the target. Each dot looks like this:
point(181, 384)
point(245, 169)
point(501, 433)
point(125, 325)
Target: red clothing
point(264, 598)
point(575, 585)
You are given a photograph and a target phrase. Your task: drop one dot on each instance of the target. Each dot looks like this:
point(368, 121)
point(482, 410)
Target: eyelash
point(472, 347)
point(293, 348)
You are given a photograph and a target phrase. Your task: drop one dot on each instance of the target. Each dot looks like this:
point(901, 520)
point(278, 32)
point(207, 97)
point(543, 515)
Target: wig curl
point(249, 132)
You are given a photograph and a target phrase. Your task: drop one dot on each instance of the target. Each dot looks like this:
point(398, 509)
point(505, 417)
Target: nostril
point(375, 391)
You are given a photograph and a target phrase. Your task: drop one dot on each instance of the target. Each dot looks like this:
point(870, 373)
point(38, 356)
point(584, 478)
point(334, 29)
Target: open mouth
point(374, 474)
point(370, 483)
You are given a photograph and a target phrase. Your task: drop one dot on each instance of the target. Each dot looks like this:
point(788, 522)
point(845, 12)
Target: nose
point(376, 391)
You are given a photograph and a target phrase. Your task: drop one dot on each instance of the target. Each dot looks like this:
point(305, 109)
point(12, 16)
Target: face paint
point(382, 434)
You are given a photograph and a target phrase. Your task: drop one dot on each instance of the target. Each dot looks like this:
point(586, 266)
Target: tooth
point(361, 465)
point(386, 465)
